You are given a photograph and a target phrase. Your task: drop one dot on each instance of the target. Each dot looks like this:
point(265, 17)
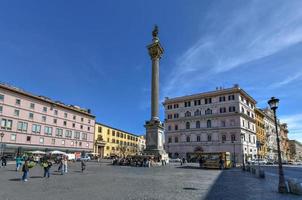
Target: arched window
point(188, 139)
point(208, 111)
point(233, 137)
point(223, 138)
point(209, 124)
point(197, 124)
point(188, 114)
point(188, 125)
point(197, 112)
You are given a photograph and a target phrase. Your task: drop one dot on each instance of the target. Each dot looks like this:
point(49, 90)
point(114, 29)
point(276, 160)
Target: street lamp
point(273, 103)
point(243, 160)
point(1, 135)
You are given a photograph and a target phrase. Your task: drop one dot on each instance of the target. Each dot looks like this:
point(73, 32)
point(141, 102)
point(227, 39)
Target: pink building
point(30, 122)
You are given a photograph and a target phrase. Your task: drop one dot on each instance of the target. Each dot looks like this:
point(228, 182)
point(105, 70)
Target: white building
point(216, 121)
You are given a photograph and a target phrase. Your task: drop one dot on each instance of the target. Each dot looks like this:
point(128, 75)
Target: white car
point(174, 160)
point(85, 158)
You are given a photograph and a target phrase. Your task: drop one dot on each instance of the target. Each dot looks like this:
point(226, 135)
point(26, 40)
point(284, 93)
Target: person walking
point(18, 162)
point(25, 170)
point(3, 161)
point(221, 163)
point(83, 165)
point(65, 163)
point(46, 166)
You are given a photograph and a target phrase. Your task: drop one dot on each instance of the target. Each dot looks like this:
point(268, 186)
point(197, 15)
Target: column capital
point(155, 50)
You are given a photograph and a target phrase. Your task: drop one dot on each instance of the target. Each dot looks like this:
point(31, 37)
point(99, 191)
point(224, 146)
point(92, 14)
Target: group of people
point(46, 163)
point(135, 162)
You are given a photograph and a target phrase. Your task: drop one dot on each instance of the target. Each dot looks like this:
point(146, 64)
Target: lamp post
point(234, 158)
point(273, 103)
point(1, 135)
point(243, 160)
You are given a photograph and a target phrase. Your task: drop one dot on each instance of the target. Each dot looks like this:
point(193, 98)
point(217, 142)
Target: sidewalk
point(236, 184)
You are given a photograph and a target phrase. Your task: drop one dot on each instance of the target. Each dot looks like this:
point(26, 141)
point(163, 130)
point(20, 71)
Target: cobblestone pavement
point(117, 182)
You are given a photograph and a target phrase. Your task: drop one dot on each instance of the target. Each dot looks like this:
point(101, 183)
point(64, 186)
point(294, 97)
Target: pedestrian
point(183, 160)
point(201, 162)
point(46, 166)
point(3, 161)
point(83, 165)
point(221, 163)
point(18, 162)
point(25, 170)
point(65, 163)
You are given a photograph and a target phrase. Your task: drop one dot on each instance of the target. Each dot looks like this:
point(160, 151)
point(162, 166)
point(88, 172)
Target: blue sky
point(93, 53)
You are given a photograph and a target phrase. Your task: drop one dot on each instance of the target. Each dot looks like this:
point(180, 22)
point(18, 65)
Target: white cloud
point(286, 81)
point(254, 32)
point(294, 123)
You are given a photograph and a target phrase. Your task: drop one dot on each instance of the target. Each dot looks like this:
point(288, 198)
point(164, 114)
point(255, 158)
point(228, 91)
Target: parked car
point(71, 156)
point(174, 160)
point(85, 158)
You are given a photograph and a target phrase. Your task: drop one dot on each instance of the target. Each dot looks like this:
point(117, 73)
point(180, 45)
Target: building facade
point(260, 134)
point(295, 152)
point(111, 142)
point(271, 137)
point(217, 121)
point(30, 122)
point(284, 143)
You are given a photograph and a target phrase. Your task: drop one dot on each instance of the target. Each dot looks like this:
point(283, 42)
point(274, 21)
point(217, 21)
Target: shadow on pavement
point(36, 177)
point(15, 179)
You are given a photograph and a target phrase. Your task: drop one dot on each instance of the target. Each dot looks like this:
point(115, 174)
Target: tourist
point(3, 161)
point(83, 165)
point(201, 162)
point(25, 170)
point(65, 162)
point(221, 163)
point(18, 162)
point(46, 166)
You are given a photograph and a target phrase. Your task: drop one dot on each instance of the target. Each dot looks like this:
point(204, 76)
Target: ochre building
point(260, 133)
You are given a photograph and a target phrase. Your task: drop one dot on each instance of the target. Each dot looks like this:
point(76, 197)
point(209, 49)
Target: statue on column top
point(155, 31)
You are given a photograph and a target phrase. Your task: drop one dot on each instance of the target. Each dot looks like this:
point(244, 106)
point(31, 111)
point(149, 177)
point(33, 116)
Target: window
point(232, 122)
point(64, 123)
point(198, 138)
point(117, 134)
point(36, 128)
point(53, 141)
point(43, 118)
point(113, 133)
point(55, 112)
point(188, 114)
point(31, 115)
point(233, 137)
point(187, 125)
point(68, 133)
point(16, 113)
point(59, 132)
point(44, 109)
point(197, 112)
point(169, 107)
point(65, 115)
point(231, 97)
point(28, 138)
point(187, 104)
point(188, 139)
point(55, 121)
point(88, 128)
point(1, 109)
point(175, 105)
point(13, 137)
point(176, 115)
point(82, 119)
point(222, 123)
point(1, 97)
point(18, 101)
point(197, 124)
point(249, 138)
point(74, 117)
point(223, 138)
point(32, 106)
point(88, 121)
point(108, 132)
point(248, 113)
point(221, 98)
point(73, 125)
point(41, 140)
point(77, 135)
point(222, 110)
point(84, 136)
point(100, 129)
point(197, 102)
point(208, 100)
point(248, 125)
point(176, 139)
point(169, 140)
point(170, 116)
point(209, 124)
point(81, 126)
point(209, 138)
point(22, 126)
point(48, 130)
point(208, 111)
point(6, 124)
point(176, 127)
point(242, 109)
point(169, 128)
point(232, 109)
